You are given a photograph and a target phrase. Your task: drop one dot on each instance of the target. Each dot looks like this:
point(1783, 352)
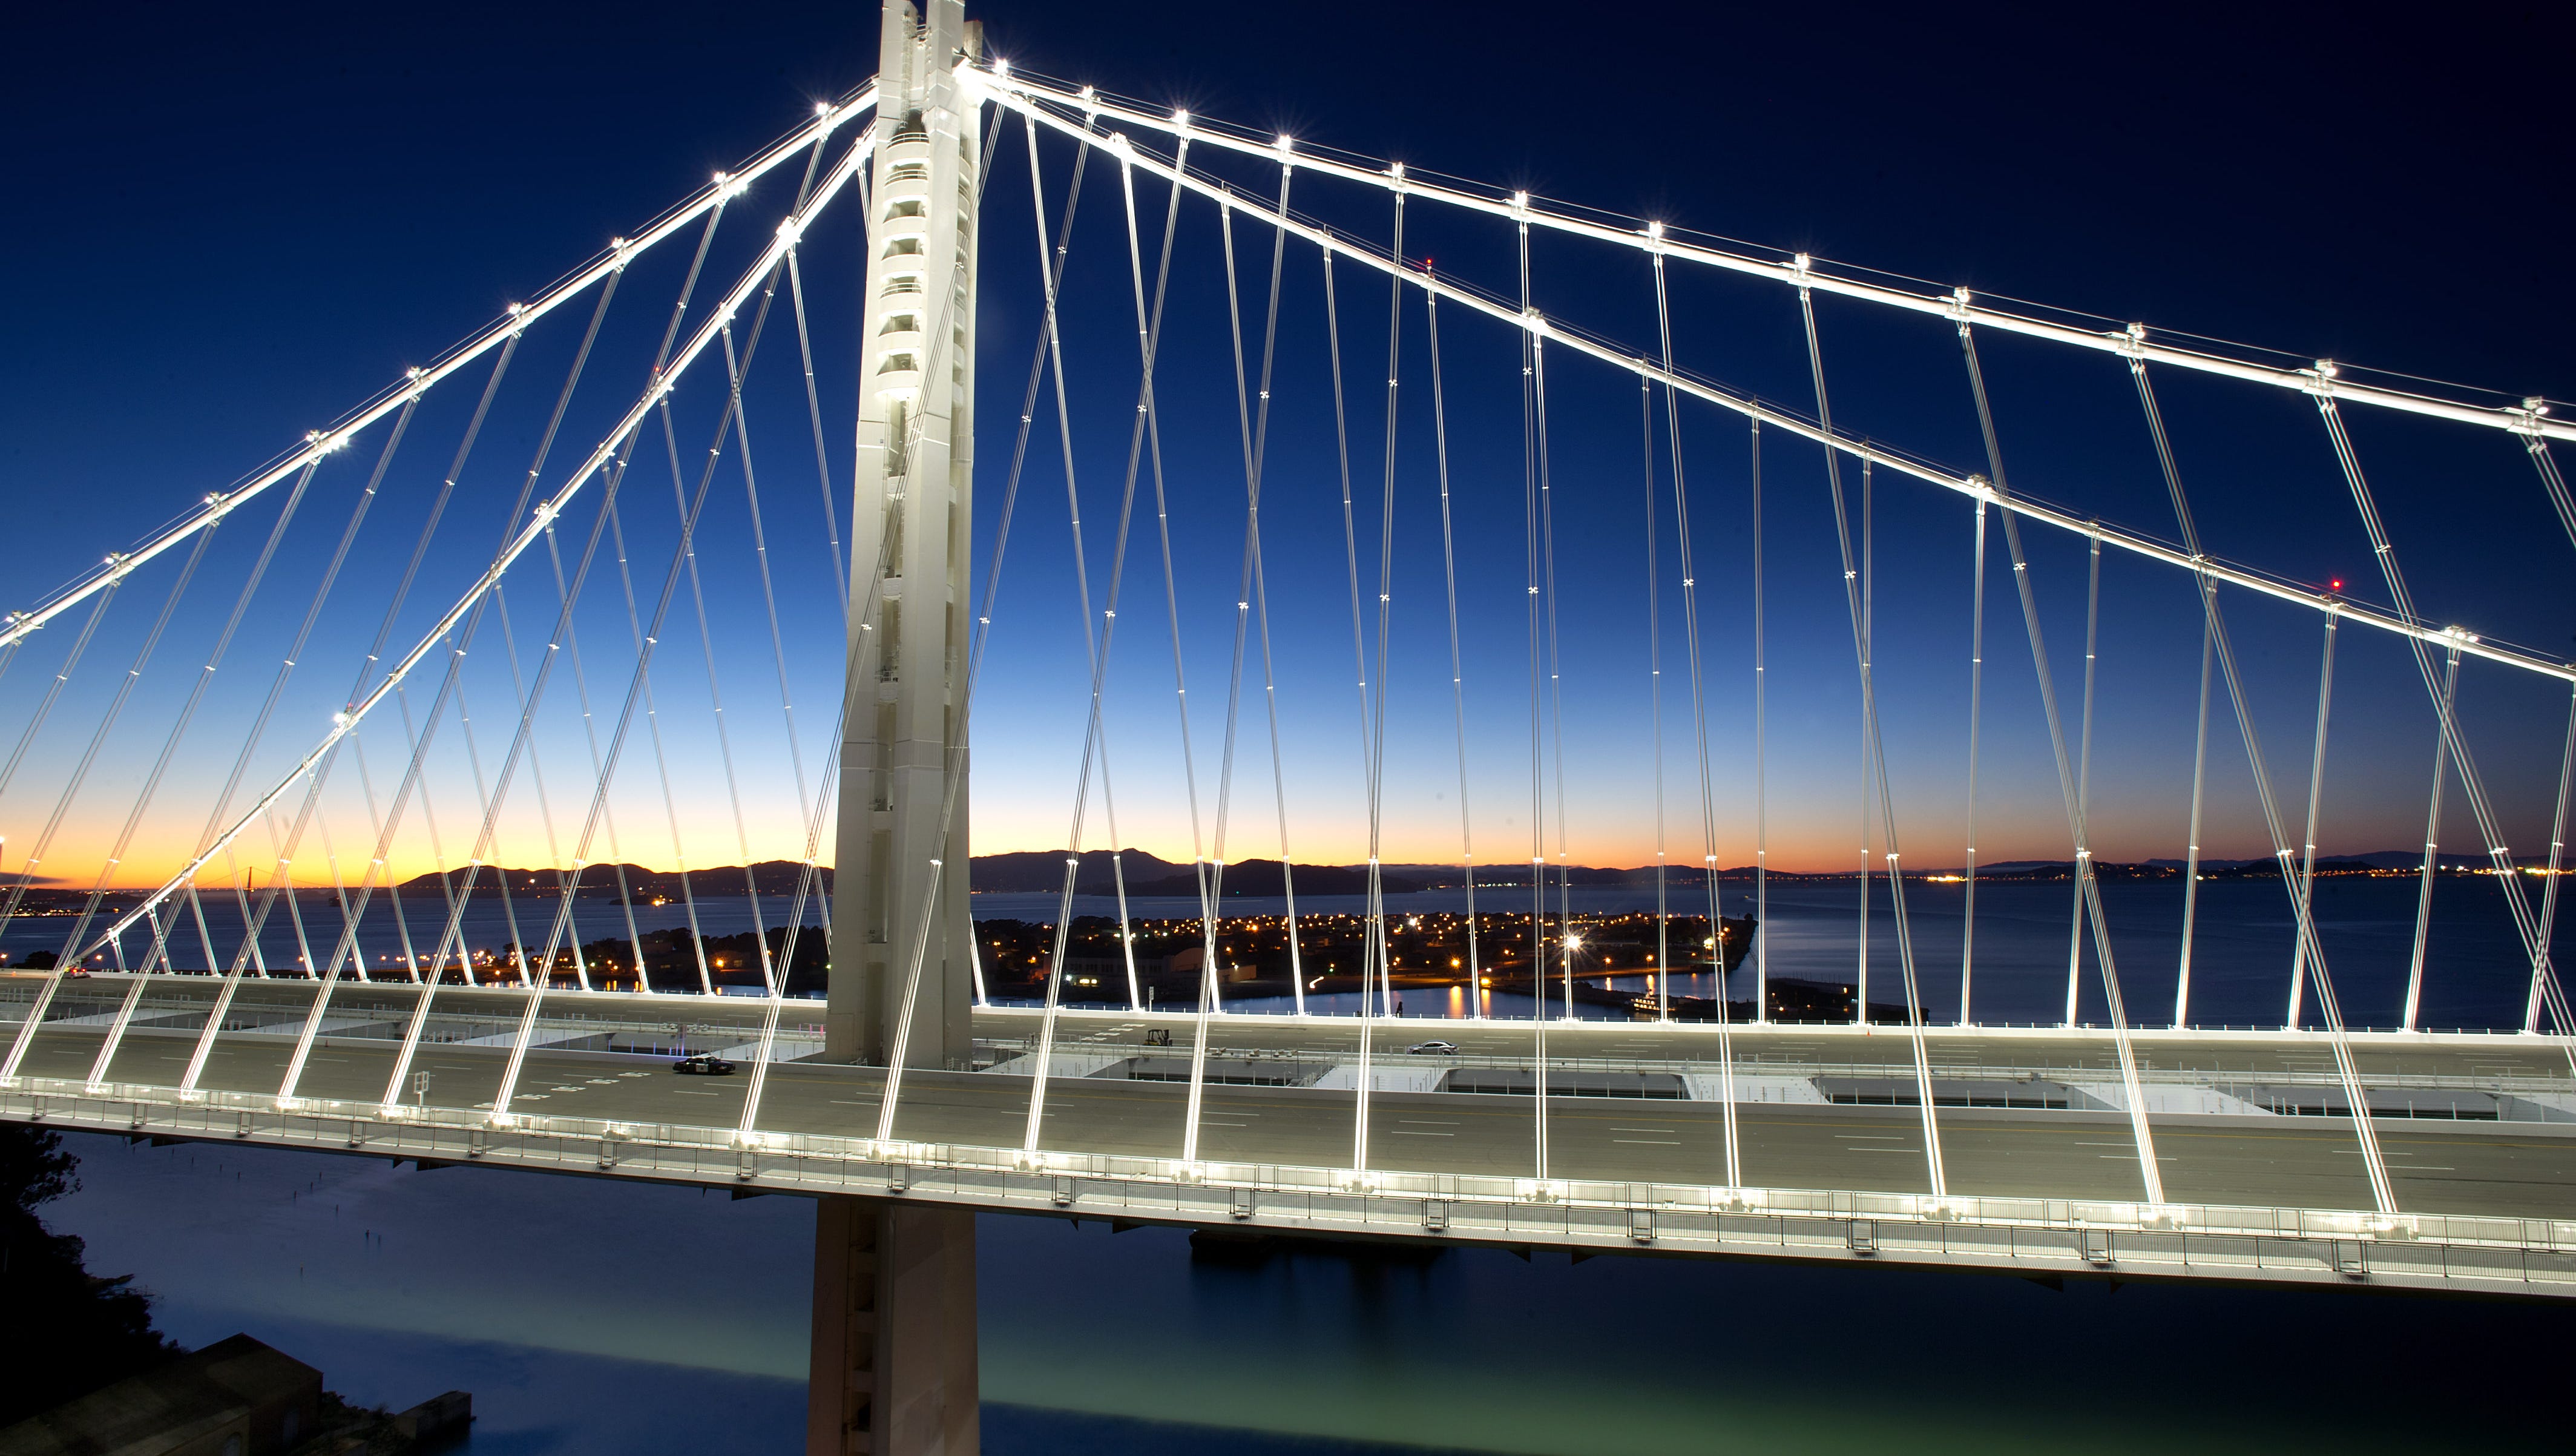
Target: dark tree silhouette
point(67, 1332)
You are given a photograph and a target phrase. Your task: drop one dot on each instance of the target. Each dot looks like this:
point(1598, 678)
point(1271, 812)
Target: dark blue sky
point(233, 226)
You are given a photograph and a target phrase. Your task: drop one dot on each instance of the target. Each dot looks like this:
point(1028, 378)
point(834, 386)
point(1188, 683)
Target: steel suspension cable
point(2030, 508)
point(1566, 938)
point(954, 771)
point(2191, 852)
point(1887, 806)
point(2557, 850)
point(1860, 1000)
point(54, 689)
point(1476, 1001)
point(727, 185)
point(2432, 849)
point(2084, 769)
point(247, 954)
point(1149, 323)
point(1685, 555)
point(509, 651)
point(2544, 974)
point(2150, 1172)
point(692, 509)
point(97, 740)
point(1655, 707)
point(1385, 959)
point(1257, 454)
point(2316, 794)
point(71, 789)
point(1536, 957)
point(214, 660)
point(1761, 947)
point(1021, 90)
point(469, 604)
point(1371, 921)
point(1095, 749)
point(1976, 720)
point(2215, 626)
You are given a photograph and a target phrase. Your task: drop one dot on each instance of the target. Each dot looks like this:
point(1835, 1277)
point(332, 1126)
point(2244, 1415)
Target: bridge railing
point(1450, 1204)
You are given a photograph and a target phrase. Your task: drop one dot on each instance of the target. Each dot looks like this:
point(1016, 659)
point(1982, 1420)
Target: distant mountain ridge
point(1149, 875)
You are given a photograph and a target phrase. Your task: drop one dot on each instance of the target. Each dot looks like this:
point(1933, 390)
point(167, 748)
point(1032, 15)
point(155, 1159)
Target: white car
point(1433, 1049)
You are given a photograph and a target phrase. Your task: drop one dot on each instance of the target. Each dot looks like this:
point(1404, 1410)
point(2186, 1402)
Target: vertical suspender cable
point(1051, 266)
point(1761, 770)
point(2150, 1172)
point(54, 689)
point(1377, 928)
point(98, 737)
point(247, 954)
point(2557, 851)
point(2216, 626)
point(1536, 955)
point(214, 660)
point(1655, 706)
point(1861, 988)
point(2191, 853)
point(953, 771)
point(2432, 848)
point(1566, 939)
point(2213, 643)
point(1255, 429)
point(1385, 610)
point(1476, 1000)
point(2544, 973)
point(1878, 764)
point(2084, 769)
point(71, 788)
point(1351, 567)
point(1734, 1168)
point(2316, 792)
point(1976, 715)
point(1149, 328)
point(348, 947)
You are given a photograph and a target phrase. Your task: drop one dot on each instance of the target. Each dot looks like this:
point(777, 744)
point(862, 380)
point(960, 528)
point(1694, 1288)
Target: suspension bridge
point(278, 769)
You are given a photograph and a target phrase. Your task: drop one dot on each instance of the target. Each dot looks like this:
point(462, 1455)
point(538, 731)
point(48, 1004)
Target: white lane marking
point(1408, 1132)
point(1676, 1142)
point(685, 1092)
point(1879, 1136)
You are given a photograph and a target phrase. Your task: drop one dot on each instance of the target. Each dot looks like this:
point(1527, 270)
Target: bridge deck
point(2492, 1136)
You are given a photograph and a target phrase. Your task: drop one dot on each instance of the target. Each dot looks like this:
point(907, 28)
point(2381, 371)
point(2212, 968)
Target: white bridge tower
point(894, 1284)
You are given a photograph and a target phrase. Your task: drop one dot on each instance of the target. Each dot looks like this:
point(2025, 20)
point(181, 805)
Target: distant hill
point(1029, 870)
point(1263, 877)
point(1042, 870)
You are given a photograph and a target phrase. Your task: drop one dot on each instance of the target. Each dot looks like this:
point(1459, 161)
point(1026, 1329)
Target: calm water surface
point(596, 1318)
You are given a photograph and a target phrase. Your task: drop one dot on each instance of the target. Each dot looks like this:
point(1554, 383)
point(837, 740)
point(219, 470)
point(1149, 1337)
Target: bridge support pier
point(894, 1330)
